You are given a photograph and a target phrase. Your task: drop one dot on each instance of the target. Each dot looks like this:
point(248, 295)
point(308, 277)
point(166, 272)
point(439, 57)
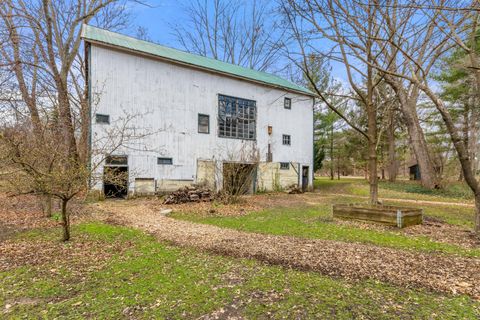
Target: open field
point(113, 271)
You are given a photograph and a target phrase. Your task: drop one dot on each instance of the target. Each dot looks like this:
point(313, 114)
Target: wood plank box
point(390, 215)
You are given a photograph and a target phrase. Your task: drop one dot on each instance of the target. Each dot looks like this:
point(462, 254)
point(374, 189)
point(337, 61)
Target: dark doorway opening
point(415, 172)
point(304, 178)
point(239, 178)
point(115, 181)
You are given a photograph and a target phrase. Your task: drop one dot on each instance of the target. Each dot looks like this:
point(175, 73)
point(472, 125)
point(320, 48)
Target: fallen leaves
point(445, 273)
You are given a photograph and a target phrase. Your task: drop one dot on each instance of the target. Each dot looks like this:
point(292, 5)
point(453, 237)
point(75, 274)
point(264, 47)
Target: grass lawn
point(116, 272)
point(315, 221)
point(412, 190)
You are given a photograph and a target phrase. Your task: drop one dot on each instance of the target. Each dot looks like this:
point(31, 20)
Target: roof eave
point(194, 66)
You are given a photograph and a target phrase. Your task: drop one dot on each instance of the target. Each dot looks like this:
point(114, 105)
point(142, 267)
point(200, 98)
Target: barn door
point(115, 177)
point(304, 178)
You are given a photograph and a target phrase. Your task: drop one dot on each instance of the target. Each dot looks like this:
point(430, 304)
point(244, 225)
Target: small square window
point(203, 123)
point(284, 165)
point(286, 140)
point(164, 161)
point(287, 103)
point(102, 118)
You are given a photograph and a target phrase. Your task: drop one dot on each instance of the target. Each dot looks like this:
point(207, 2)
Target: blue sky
point(160, 18)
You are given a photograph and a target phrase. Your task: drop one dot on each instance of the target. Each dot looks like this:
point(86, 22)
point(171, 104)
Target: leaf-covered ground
point(449, 273)
point(113, 272)
point(190, 270)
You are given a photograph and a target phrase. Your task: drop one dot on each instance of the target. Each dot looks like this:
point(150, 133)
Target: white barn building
point(198, 115)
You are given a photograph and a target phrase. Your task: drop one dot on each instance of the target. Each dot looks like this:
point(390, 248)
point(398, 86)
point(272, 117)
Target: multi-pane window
point(284, 165)
point(203, 123)
point(102, 118)
point(164, 161)
point(237, 118)
point(287, 103)
point(286, 139)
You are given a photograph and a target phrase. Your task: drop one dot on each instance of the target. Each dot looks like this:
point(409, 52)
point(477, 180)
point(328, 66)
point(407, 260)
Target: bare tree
point(235, 174)
point(41, 50)
point(353, 41)
point(242, 33)
point(443, 26)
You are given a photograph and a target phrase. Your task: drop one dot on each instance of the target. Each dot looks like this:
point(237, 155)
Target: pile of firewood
point(188, 194)
point(294, 189)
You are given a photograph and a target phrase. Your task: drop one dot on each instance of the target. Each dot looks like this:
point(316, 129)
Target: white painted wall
point(168, 98)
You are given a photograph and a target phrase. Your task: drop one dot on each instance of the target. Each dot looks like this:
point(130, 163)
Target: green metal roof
point(94, 34)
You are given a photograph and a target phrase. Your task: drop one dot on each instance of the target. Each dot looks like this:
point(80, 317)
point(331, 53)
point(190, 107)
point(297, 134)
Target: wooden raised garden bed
point(390, 215)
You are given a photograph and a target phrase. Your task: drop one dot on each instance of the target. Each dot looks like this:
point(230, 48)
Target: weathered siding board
point(167, 99)
point(206, 173)
point(271, 177)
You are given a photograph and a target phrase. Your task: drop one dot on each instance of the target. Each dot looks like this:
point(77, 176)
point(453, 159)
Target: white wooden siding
point(168, 99)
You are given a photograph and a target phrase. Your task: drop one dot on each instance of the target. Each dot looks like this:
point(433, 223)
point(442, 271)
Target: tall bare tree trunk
point(392, 159)
point(65, 221)
point(372, 161)
point(47, 204)
point(477, 214)
point(338, 166)
point(373, 178)
point(332, 174)
point(429, 178)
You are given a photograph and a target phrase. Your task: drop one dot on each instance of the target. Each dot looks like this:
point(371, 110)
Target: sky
point(160, 17)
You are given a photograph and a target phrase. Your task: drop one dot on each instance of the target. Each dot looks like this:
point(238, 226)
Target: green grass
point(409, 190)
point(316, 222)
point(148, 279)
point(454, 192)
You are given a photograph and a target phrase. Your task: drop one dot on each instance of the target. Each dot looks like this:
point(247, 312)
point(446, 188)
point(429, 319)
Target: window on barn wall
point(237, 118)
point(114, 160)
point(102, 118)
point(286, 139)
point(287, 103)
point(162, 160)
point(284, 165)
point(203, 123)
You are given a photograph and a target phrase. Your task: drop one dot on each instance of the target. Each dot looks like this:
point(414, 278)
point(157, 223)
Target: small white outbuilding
point(167, 118)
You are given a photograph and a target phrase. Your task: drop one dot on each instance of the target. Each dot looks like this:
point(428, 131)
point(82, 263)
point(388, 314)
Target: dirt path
point(459, 204)
point(443, 273)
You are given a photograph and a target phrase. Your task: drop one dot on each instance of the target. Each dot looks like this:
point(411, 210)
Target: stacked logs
point(188, 194)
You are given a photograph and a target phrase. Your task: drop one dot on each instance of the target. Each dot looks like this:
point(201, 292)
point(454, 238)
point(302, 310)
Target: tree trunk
point(338, 165)
point(372, 166)
point(47, 203)
point(408, 105)
point(462, 152)
point(332, 174)
point(65, 221)
point(419, 144)
point(392, 161)
point(477, 214)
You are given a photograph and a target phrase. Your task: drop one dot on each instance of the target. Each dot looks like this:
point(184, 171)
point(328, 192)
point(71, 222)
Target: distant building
point(203, 113)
